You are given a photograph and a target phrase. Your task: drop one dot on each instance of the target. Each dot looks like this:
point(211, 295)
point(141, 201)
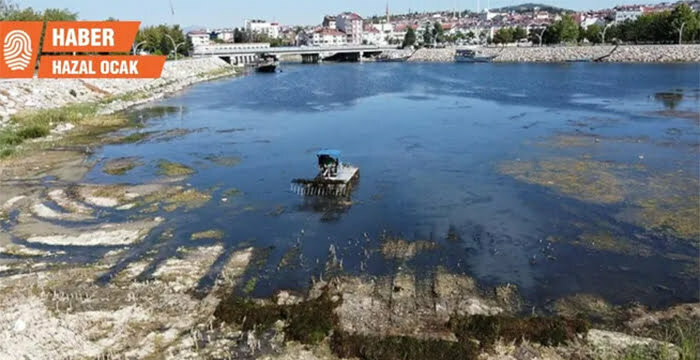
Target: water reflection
point(671, 100)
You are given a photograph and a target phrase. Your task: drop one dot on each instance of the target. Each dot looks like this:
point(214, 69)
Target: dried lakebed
point(172, 235)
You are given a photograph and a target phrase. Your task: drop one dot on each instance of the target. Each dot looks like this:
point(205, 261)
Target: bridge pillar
point(362, 54)
point(310, 58)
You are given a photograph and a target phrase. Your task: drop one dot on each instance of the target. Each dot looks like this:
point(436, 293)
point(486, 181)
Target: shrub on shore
point(38, 124)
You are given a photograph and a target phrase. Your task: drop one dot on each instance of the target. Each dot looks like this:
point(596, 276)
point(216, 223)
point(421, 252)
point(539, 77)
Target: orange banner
point(105, 67)
point(20, 47)
point(90, 36)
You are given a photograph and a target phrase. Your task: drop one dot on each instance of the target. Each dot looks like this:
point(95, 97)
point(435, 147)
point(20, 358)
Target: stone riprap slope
point(32, 94)
point(627, 53)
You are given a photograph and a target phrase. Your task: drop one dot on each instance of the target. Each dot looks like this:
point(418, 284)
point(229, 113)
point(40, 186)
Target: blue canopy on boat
point(332, 153)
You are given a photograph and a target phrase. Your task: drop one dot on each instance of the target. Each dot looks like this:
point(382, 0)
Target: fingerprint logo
point(17, 50)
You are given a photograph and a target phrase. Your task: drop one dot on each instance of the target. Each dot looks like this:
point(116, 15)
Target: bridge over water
point(248, 53)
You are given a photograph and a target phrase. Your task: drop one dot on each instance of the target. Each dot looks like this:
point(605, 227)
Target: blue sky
point(228, 13)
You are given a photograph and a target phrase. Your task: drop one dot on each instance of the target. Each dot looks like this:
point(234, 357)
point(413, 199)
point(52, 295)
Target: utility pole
point(136, 47)
point(540, 35)
point(175, 46)
point(605, 30)
point(680, 34)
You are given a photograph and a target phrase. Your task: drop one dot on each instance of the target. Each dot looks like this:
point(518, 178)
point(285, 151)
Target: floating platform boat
point(334, 179)
point(267, 64)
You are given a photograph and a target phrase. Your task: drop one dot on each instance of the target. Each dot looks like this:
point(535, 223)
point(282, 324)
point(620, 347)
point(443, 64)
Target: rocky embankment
point(32, 94)
point(627, 54)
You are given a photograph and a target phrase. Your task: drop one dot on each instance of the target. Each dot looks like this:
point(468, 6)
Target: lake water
point(431, 140)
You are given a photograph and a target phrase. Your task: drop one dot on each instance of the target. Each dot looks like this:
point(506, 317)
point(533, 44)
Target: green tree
point(410, 38)
point(427, 37)
point(519, 33)
point(6, 8)
point(26, 14)
point(594, 34)
point(581, 34)
point(159, 44)
point(59, 15)
point(470, 35)
point(568, 29)
point(564, 30)
point(438, 32)
point(239, 36)
point(503, 36)
point(684, 22)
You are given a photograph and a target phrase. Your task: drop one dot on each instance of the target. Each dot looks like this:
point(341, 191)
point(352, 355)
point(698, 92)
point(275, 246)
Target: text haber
point(87, 67)
point(83, 37)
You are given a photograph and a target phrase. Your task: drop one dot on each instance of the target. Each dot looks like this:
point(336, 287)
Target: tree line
point(163, 39)
point(241, 35)
point(681, 24)
point(156, 41)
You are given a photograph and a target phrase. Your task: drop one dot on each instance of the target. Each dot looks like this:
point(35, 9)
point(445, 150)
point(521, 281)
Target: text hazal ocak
point(83, 37)
point(87, 67)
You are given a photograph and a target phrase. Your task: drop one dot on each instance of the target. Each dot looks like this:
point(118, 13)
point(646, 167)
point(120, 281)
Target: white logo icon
point(17, 50)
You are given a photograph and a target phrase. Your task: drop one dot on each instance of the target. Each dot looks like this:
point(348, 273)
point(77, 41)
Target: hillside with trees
point(530, 7)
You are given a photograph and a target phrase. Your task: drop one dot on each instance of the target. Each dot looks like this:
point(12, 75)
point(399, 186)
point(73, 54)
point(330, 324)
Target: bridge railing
point(290, 50)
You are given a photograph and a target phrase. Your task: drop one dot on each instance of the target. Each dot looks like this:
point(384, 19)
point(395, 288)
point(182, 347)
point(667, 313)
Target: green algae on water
point(586, 180)
point(250, 285)
point(221, 160)
point(606, 241)
point(396, 248)
point(120, 166)
point(169, 168)
point(175, 198)
point(208, 234)
point(231, 192)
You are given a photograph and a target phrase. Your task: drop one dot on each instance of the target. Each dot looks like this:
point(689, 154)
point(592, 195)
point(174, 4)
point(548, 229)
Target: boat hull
point(270, 68)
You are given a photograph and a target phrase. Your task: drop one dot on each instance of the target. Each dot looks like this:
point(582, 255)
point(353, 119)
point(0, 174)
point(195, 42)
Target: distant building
point(695, 5)
point(586, 22)
point(272, 30)
point(352, 25)
point(225, 35)
point(488, 15)
point(383, 27)
point(541, 15)
point(199, 38)
point(372, 36)
point(322, 37)
point(329, 22)
point(628, 14)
